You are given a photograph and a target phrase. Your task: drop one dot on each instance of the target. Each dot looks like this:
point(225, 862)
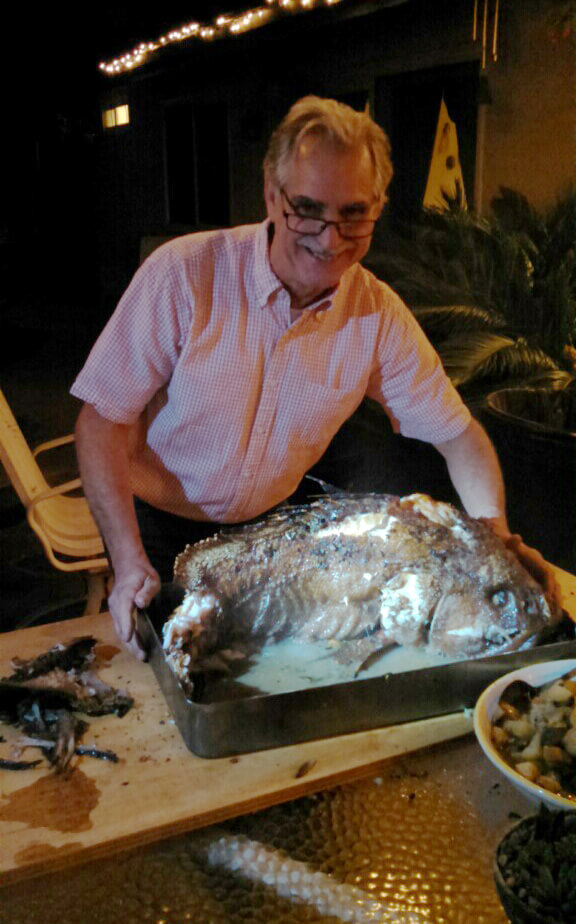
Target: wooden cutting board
point(159, 788)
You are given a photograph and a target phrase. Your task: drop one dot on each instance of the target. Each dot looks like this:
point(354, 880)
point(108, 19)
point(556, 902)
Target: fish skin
point(18, 764)
point(42, 693)
point(66, 671)
point(374, 568)
point(75, 655)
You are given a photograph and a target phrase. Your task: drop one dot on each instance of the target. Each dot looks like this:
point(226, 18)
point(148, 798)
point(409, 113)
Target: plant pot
point(519, 909)
point(541, 410)
point(534, 433)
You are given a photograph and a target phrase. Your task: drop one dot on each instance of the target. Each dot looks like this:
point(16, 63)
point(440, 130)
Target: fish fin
point(372, 658)
point(328, 488)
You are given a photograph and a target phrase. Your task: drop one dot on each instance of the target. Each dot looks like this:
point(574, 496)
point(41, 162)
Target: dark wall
point(257, 77)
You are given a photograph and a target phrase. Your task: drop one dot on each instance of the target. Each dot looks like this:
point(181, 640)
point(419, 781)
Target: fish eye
point(502, 597)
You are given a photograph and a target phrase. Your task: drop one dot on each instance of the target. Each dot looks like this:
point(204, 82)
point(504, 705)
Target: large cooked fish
point(364, 569)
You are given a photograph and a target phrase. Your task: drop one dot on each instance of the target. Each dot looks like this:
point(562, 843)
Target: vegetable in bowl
point(488, 711)
point(535, 732)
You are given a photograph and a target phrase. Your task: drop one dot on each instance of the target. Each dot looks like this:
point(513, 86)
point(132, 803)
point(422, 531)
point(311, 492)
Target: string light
point(224, 24)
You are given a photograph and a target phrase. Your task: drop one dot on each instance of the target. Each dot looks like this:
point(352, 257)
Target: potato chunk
point(549, 782)
point(519, 728)
point(569, 742)
point(528, 769)
point(533, 750)
point(555, 755)
point(557, 693)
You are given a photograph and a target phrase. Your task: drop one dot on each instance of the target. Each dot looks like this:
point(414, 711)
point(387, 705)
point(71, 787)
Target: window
point(197, 164)
point(119, 115)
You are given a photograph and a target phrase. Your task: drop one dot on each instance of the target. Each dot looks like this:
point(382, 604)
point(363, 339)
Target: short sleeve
point(410, 382)
point(136, 352)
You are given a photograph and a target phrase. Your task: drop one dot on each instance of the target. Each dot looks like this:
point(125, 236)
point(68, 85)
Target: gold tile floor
point(413, 842)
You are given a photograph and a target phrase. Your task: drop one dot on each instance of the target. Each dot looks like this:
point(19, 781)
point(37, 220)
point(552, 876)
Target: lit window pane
point(122, 115)
point(112, 118)
point(109, 118)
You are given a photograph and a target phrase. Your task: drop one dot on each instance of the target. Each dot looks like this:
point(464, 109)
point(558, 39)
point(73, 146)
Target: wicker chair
point(59, 515)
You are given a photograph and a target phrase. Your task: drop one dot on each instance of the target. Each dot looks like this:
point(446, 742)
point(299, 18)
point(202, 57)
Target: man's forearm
point(476, 474)
point(103, 457)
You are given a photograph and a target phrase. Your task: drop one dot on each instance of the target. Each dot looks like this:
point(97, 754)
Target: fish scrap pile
point(363, 570)
point(41, 698)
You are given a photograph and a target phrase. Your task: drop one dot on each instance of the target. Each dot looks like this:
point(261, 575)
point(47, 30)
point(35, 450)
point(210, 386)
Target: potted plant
point(535, 869)
point(497, 298)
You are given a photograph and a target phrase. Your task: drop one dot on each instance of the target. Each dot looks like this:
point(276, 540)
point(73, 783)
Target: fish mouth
point(461, 626)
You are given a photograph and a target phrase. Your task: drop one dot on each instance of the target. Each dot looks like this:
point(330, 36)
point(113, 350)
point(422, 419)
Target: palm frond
point(464, 356)
point(439, 322)
point(516, 216)
point(413, 280)
point(555, 378)
point(561, 222)
point(492, 356)
point(495, 295)
point(514, 271)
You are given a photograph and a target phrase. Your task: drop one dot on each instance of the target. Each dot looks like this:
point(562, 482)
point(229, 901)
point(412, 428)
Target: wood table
point(159, 788)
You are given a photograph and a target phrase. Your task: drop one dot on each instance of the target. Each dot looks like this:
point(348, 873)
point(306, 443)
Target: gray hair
point(341, 126)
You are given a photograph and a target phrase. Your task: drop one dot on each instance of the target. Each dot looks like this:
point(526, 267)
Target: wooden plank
point(159, 788)
point(567, 583)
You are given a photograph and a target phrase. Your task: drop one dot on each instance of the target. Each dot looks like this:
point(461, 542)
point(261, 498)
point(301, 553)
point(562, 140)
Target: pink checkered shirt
point(234, 403)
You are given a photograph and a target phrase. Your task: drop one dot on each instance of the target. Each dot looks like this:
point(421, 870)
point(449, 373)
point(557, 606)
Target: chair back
point(60, 518)
point(17, 458)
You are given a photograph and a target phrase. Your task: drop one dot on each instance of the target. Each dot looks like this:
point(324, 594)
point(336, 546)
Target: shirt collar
point(266, 282)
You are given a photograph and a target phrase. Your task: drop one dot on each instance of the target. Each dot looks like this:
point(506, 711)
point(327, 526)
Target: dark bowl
point(551, 410)
point(518, 909)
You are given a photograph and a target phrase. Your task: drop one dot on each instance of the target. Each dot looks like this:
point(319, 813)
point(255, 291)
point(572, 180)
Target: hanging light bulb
point(223, 24)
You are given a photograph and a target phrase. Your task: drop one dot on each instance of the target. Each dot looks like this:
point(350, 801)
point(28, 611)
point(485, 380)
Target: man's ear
point(272, 195)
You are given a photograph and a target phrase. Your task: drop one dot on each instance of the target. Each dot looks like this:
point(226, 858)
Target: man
point(235, 356)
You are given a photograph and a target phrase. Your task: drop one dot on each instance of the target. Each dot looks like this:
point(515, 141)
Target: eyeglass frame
point(325, 222)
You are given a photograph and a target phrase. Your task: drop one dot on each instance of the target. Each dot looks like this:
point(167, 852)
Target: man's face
point(321, 182)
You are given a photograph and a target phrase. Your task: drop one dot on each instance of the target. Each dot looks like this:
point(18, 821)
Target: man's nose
point(331, 237)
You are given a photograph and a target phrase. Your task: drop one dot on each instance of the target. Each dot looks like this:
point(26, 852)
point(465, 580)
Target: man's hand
point(475, 472)
point(540, 569)
point(134, 586)
point(103, 449)
point(531, 559)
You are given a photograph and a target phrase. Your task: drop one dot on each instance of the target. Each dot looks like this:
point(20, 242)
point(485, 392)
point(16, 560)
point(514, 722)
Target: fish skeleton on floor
point(366, 570)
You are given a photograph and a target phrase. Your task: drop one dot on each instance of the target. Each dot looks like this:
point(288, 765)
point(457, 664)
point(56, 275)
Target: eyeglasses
point(347, 229)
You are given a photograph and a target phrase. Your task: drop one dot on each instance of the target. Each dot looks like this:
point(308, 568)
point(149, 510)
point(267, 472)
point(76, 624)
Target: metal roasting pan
point(267, 721)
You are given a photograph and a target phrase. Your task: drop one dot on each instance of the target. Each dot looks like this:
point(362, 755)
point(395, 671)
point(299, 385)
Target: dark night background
point(52, 81)
point(49, 251)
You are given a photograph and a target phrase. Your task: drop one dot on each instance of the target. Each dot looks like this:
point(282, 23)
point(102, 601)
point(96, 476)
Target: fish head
point(468, 624)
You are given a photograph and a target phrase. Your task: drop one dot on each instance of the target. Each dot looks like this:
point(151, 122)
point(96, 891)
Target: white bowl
point(487, 709)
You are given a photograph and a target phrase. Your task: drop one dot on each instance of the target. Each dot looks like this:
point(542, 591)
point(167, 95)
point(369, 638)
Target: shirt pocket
point(317, 412)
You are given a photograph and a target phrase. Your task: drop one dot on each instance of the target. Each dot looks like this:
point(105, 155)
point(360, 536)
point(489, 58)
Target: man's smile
point(326, 256)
